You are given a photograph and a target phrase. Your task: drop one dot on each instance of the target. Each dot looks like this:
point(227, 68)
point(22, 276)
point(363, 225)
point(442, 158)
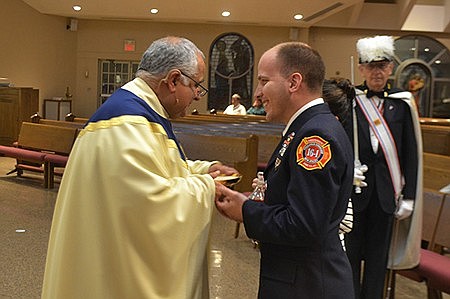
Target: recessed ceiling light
point(438, 61)
point(298, 16)
point(226, 14)
point(76, 7)
point(154, 10)
point(427, 49)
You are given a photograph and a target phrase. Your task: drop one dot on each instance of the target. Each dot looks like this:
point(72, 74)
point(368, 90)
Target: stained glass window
point(231, 62)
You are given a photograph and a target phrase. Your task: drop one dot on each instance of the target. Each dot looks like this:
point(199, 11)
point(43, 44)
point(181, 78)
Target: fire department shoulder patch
point(313, 153)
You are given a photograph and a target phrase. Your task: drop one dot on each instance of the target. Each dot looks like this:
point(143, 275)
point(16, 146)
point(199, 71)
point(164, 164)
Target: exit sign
point(129, 45)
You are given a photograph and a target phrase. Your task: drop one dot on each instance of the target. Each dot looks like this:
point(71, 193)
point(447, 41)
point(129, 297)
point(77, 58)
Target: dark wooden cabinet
point(17, 104)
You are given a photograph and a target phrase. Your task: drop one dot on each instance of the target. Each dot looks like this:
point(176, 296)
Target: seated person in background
point(257, 108)
point(235, 108)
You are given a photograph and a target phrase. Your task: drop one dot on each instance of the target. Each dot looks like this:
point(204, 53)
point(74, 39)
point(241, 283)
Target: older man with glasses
point(133, 213)
point(385, 131)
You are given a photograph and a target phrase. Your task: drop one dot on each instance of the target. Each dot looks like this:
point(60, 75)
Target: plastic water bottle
point(258, 193)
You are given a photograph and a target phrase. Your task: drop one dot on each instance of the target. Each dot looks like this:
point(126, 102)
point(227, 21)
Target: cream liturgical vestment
point(132, 215)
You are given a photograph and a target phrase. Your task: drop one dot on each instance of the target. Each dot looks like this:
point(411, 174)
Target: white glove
point(404, 208)
point(358, 176)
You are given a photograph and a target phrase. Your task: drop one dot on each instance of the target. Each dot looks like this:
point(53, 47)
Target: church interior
point(59, 64)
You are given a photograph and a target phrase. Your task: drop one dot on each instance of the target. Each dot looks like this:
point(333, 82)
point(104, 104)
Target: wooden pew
point(436, 171)
point(37, 119)
point(434, 269)
point(434, 265)
point(436, 139)
point(434, 121)
point(220, 117)
point(55, 141)
point(436, 174)
point(70, 117)
point(269, 135)
point(240, 152)
point(40, 148)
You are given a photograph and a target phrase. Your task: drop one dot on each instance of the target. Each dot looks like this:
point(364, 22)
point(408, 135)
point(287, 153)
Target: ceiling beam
point(355, 12)
point(405, 7)
point(447, 16)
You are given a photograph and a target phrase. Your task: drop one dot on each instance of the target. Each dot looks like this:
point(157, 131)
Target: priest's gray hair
point(167, 54)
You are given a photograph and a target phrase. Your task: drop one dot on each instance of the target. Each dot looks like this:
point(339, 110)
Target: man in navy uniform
point(309, 181)
point(388, 142)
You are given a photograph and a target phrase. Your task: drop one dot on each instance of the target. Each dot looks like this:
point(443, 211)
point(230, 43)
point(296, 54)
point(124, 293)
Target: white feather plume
point(375, 48)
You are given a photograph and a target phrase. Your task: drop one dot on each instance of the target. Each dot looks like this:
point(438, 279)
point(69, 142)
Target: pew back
point(431, 206)
point(37, 119)
point(72, 118)
point(48, 138)
point(436, 139)
point(61, 123)
point(436, 176)
point(436, 171)
point(226, 118)
point(442, 237)
point(434, 121)
point(240, 152)
point(269, 135)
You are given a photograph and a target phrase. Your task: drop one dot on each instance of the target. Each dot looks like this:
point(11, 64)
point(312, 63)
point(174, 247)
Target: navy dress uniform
point(309, 181)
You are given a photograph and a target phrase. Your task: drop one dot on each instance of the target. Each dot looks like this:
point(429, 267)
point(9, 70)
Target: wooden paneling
point(16, 106)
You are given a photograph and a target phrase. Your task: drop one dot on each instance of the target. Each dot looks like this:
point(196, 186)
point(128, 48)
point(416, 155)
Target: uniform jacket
point(309, 180)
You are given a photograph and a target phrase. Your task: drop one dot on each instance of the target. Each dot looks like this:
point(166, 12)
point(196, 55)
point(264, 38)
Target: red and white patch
point(313, 153)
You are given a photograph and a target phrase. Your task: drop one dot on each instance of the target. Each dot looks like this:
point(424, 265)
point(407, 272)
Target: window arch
point(422, 66)
point(231, 60)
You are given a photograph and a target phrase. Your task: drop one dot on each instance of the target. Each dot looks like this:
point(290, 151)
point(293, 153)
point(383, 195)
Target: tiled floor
point(25, 217)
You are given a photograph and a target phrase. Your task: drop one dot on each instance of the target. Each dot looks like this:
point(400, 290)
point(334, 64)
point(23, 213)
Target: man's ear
point(391, 68)
point(360, 68)
point(172, 79)
point(295, 81)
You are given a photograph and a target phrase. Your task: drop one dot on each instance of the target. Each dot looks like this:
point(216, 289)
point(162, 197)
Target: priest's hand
point(229, 202)
point(223, 170)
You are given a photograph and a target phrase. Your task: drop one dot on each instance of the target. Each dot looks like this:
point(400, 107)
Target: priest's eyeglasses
point(202, 91)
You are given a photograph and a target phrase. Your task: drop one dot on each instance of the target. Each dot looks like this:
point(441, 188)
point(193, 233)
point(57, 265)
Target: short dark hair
point(300, 57)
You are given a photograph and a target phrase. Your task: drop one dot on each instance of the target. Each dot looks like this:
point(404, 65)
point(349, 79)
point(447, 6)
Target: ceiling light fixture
point(154, 10)
point(298, 17)
point(76, 7)
point(226, 14)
